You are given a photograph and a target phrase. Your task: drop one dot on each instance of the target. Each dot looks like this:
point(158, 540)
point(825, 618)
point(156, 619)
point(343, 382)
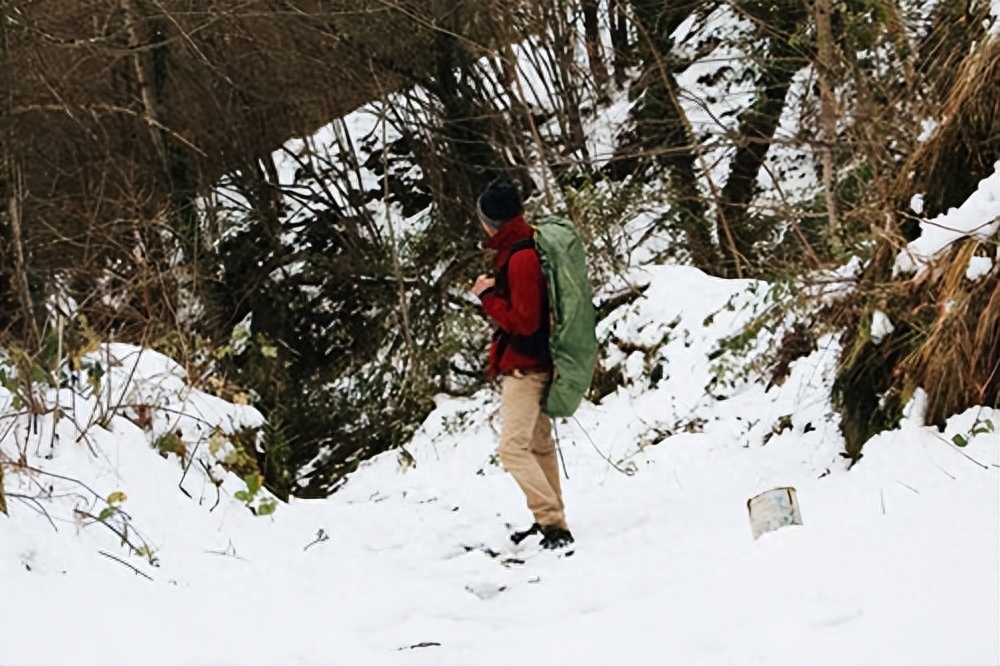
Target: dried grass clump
point(957, 361)
point(946, 341)
point(966, 144)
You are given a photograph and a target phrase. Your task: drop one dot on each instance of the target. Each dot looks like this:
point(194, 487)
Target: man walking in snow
point(516, 300)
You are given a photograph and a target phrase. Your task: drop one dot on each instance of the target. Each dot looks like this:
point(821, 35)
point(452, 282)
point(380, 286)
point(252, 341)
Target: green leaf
point(266, 508)
point(216, 442)
point(243, 496)
point(38, 374)
point(983, 427)
point(253, 482)
point(959, 440)
point(117, 497)
point(106, 513)
point(95, 370)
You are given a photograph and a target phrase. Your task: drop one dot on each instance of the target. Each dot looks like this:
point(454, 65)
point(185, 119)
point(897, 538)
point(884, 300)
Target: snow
point(603, 129)
point(711, 101)
point(897, 560)
point(978, 267)
point(881, 326)
point(978, 217)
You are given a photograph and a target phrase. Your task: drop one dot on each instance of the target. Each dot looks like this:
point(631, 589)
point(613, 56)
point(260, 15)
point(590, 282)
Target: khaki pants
point(526, 447)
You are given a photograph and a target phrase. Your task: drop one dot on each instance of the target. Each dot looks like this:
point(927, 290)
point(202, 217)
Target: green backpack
point(573, 320)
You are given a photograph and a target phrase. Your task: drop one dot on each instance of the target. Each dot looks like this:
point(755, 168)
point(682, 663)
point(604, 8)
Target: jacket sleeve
point(522, 315)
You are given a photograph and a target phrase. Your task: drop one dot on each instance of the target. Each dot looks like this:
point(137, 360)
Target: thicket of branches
point(143, 200)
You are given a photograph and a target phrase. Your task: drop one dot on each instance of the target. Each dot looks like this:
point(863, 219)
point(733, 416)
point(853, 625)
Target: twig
point(906, 486)
point(475, 374)
point(64, 478)
point(628, 471)
point(425, 644)
point(230, 551)
point(122, 534)
point(180, 484)
point(958, 450)
point(225, 554)
point(56, 410)
point(555, 436)
point(175, 411)
point(38, 506)
point(615, 301)
point(218, 493)
point(123, 562)
point(944, 472)
point(321, 535)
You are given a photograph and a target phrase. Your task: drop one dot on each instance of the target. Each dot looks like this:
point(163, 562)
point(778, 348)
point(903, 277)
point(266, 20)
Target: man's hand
point(483, 282)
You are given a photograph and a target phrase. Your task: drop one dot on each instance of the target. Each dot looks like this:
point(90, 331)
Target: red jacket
point(521, 311)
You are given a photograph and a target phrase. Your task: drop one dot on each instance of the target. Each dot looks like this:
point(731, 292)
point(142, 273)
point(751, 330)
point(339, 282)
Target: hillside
point(897, 560)
point(244, 414)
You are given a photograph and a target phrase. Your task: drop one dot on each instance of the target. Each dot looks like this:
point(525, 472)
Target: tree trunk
point(662, 130)
point(142, 65)
point(568, 84)
point(619, 40)
point(466, 160)
point(776, 22)
point(592, 32)
point(15, 294)
point(8, 298)
point(659, 130)
point(828, 107)
point(757, 127)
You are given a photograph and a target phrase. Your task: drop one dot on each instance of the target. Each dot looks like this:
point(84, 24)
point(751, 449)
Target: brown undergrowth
point(945, 341)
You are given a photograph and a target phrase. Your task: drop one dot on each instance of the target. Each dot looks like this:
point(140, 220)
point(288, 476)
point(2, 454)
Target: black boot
point(518, 537)
point(554, 537)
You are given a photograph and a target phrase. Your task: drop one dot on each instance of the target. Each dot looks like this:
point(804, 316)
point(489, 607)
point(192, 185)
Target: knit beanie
point(499, 203)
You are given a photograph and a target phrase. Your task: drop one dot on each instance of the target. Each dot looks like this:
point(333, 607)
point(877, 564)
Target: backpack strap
point(526, 244)
point(534, 344)
point(501, 336)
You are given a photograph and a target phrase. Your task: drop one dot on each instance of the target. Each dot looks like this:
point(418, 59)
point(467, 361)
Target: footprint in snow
point(486, 590)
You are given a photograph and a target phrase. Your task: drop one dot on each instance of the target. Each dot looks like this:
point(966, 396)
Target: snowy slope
point(897, 561)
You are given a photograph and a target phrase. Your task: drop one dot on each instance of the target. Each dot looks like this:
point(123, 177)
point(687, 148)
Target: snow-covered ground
point(898, 560)
point(978, 217)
